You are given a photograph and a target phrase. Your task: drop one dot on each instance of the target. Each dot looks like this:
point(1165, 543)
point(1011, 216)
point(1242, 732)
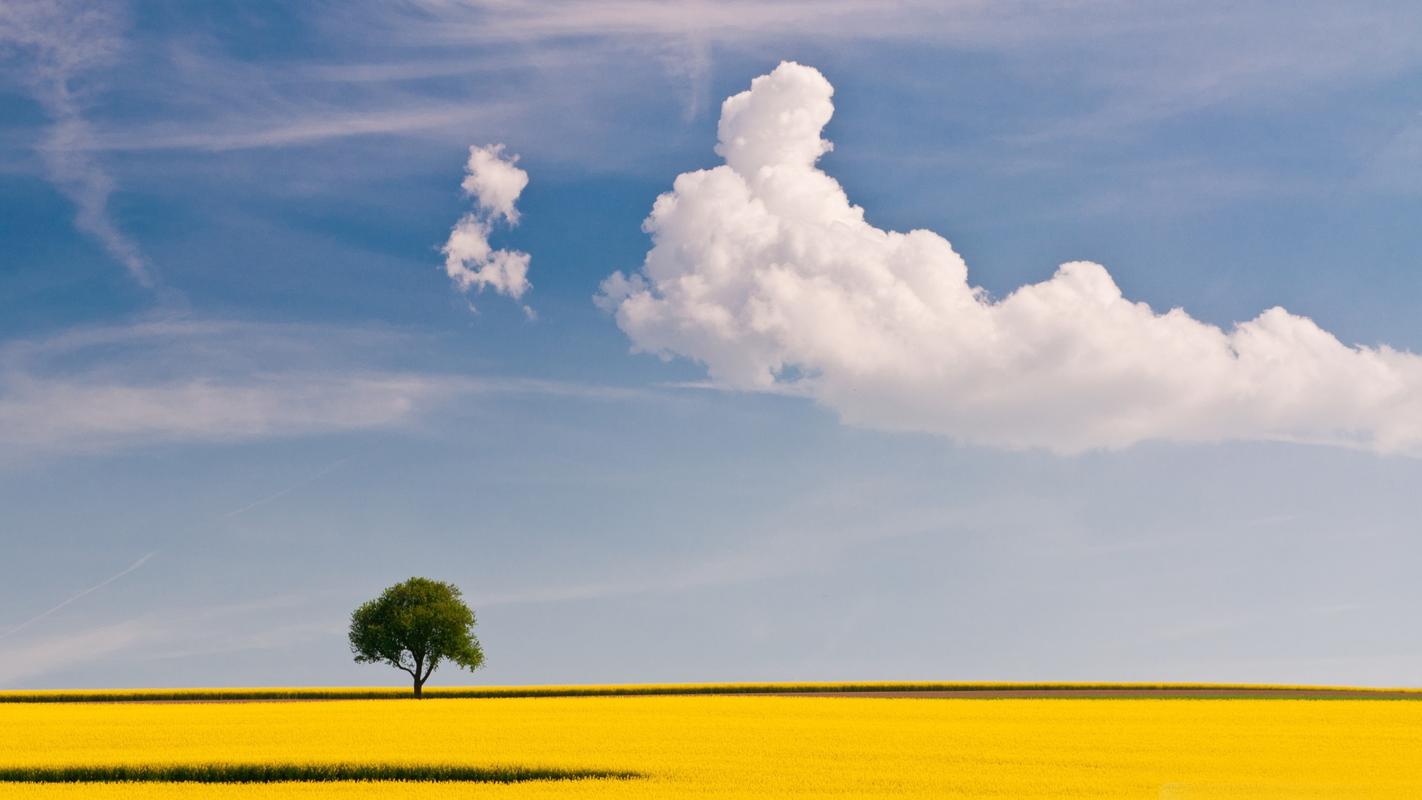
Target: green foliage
point(1251, 691)
point(415, 626)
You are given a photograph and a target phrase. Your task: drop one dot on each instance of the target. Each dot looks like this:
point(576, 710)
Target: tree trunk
point(419, 689)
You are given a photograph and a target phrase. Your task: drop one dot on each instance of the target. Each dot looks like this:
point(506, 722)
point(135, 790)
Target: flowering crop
point(738, 746)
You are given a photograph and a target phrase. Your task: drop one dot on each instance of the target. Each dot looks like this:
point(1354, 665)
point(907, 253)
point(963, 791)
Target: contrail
point(321, 473)
point(96, 587)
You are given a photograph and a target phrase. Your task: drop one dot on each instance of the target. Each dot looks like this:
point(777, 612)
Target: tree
point(414, 626)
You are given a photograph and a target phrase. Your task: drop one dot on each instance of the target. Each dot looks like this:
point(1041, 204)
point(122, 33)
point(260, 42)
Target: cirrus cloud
point(763, 271)
point(176, 381)
point(61, 44)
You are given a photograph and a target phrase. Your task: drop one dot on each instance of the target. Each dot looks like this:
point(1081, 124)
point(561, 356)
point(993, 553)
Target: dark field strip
point(301, 773)
point(926, 689)
point(1133, 694)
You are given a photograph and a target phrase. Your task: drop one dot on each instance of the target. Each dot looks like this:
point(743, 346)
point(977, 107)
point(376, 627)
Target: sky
point(712, 341)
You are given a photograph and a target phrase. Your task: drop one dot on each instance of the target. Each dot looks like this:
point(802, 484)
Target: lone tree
point(414, 626)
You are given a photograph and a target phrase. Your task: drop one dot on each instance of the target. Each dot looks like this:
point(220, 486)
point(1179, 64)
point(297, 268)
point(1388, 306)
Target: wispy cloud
point(813, 531)
point(459, 70)
point(173, 381)
point(62, 650)
point(92, 412)
point(287, 130)
point(169, 633)
point(1147, 63)
point(60, 45)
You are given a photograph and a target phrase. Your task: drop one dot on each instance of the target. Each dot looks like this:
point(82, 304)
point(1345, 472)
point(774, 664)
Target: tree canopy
point(415, 626)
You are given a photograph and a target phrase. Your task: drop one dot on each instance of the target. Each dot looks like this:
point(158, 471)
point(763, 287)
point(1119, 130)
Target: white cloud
point(764, 272)
point(495, 183)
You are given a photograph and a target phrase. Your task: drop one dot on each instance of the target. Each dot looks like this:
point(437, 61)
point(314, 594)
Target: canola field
point(721, 746)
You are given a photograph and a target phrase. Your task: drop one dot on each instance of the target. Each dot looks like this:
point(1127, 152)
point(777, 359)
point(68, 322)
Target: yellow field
point(750, 746)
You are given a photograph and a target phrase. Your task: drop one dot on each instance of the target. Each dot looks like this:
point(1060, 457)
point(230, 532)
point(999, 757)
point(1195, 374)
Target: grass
point(631, 690)
point(302, 773)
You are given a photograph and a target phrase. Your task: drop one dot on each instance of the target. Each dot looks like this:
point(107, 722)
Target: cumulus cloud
point(495, 183)
point(762, 270)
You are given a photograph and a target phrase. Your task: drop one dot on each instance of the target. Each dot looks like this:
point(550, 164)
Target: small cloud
point(495, 183)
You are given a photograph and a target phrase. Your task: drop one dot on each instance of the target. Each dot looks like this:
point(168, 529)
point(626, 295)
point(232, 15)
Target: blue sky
point(230, 354)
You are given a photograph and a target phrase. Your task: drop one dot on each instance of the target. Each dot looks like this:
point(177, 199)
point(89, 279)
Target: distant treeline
point(615, 690)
